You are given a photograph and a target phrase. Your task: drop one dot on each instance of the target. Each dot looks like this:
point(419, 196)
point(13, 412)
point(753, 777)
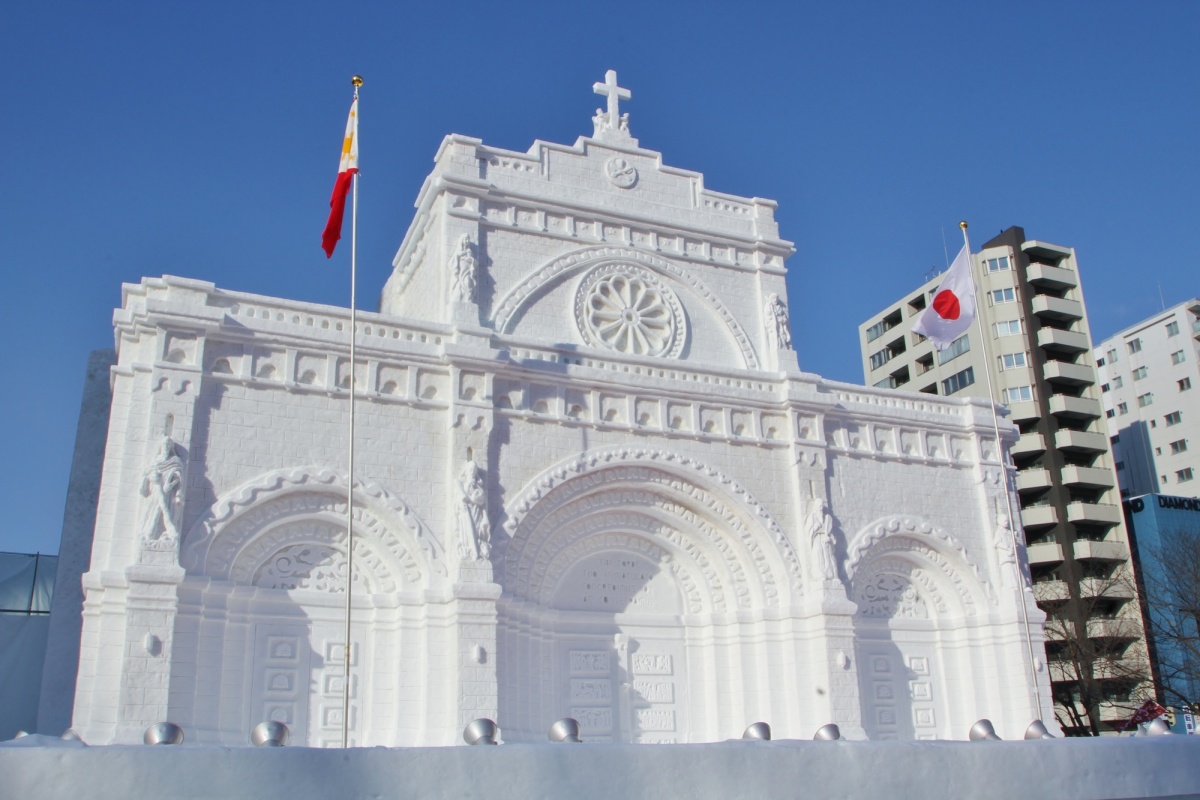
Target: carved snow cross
point(615, 95)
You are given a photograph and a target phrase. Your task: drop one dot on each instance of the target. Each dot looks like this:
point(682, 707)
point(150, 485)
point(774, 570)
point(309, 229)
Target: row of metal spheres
point(483, 731)
point(264, 734)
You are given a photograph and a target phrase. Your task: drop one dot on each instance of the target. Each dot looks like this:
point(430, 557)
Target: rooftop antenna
point(945, 248)
point(1161, 301)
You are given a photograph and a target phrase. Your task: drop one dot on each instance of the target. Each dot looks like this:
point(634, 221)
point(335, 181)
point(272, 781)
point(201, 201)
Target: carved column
point(152, 600)
point(471, 532)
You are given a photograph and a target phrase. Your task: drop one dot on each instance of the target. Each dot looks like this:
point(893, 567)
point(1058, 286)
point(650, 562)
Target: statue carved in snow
point(819, 527)
point(778, 332)
point(465, 272)
point(162, 483)
point(474, 529)
point(1006, 555)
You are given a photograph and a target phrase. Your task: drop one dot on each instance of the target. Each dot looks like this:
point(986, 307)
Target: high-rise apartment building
point(1037, 345)
point(1150, 378)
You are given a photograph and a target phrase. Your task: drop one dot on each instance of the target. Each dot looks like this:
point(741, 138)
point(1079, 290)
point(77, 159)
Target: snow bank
point(1165, 766)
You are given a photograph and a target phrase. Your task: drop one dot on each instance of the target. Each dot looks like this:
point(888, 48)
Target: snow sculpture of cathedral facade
point(591, 481)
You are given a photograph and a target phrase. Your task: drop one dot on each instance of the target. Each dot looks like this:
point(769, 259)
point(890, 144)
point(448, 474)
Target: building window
point(1017, 394)
point(998, 264)
point(1120, 465)
point(1134, 345)
point(1118, 382)
point(1110, 413)
point(1112, 356)
point(1104, 387)
point(1008, 327)
point(1172, 329)
point(875, 331)
point(1179, 446)
point(1177, 357)
point(1099, 362)
point(1012, 361)
point(1184, 384)
point(1003, 296)
point(1182, 475)
point(1140, 373)
point(959, 380)
point(1115, 439)
point(1145, 399)
point(1122, 408)
point(959, 346)
point(880, 358)
point(1174, 418)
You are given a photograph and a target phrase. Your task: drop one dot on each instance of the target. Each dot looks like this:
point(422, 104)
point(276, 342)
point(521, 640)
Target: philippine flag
point(346, 169)
point(953, 308)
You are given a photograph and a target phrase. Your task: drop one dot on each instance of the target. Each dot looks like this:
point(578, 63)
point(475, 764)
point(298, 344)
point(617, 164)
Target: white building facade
point(590, 481)
point(1150, 375)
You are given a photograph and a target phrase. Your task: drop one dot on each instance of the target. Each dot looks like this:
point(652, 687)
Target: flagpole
point(357, 81)
point(1012, 519)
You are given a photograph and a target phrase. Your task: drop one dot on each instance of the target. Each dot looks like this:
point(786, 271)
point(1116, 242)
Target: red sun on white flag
point(953, 308)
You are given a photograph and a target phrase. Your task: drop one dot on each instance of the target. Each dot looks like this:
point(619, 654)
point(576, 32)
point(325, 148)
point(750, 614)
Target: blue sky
point(201, 139)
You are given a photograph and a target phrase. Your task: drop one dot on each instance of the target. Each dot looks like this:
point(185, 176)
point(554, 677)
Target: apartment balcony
point(1045, 553)
point(1088, 550)
point(1029, 444)
point(1114, 713)
point(1038, 517)
point(1056, 633)
point(1050, 277)
point(1107, 588)
point(1057, 308)
point(1067, 407)
point(1023, 411)
point(1094, 513)
point(1051, 592)
point(1196, 329)
point(1122, 669)
point(1055, 340)
point(1081, 441)
point(1126, 629)
point(1087, 477)
point(1033, 480)
point(1065, 374)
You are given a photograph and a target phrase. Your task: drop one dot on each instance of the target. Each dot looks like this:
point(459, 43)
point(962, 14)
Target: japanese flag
point(953, 308)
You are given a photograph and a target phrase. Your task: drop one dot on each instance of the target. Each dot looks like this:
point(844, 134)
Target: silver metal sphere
point(1037, 730)
point(983, 731)
point(759, 730)
point(269, 734)
point(70, 735)
point(163, 733)
point(828, 733)
point(1158, 727)
point(480, 731)
point(565, 730)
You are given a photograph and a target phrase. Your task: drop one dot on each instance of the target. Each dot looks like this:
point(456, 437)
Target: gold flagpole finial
point(357, 81)
point(963, 224)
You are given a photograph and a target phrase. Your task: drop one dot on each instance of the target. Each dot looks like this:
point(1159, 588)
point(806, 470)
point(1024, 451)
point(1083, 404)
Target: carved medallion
point(620, 173)
point(628, 309)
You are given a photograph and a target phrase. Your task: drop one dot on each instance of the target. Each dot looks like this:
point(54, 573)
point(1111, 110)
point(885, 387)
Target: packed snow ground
point(1089, 769)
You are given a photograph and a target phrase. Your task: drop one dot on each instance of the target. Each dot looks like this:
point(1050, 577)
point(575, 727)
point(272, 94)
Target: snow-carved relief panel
point(625, 308)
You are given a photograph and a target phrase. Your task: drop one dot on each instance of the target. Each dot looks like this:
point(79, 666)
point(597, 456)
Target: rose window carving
point(624, 308)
